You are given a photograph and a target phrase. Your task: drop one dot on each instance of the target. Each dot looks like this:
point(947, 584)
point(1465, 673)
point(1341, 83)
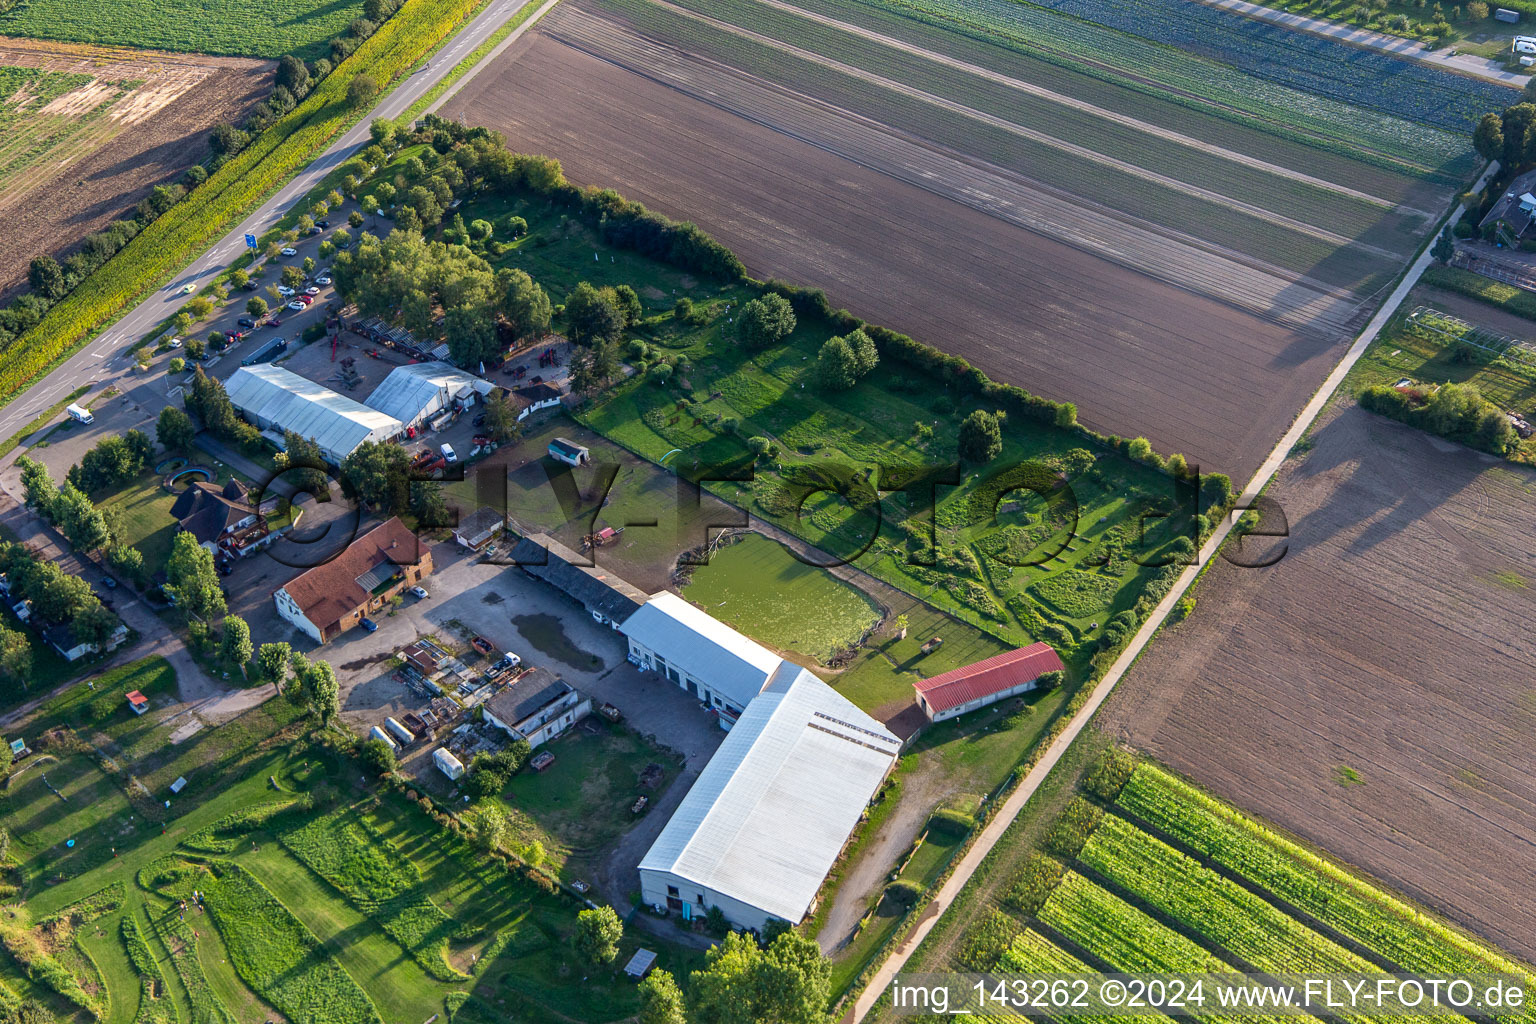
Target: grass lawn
point(759, 587)
point(146, 510)
point(579, 806)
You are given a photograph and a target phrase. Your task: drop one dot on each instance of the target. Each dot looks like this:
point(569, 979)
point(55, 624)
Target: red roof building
point(986, 682)
point(138, 702)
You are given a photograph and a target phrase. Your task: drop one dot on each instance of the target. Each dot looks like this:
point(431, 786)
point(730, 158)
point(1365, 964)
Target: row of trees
point(114, 460)
point(1455, 411)
point(788, 981)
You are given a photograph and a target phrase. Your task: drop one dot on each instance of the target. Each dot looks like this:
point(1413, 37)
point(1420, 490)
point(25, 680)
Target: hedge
point(171, 242)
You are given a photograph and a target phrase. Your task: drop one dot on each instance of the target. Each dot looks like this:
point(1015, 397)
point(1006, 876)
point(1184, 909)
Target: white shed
point(379, 734)
point(415, 394)
point(447, 763)
point(699, 653)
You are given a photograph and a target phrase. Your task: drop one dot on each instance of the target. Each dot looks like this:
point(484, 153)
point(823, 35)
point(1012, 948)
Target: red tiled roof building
point(986, 682)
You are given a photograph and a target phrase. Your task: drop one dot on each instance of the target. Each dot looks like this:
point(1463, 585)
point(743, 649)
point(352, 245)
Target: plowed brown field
point(1375, 691)
point(1136, 354)
point(90, 155)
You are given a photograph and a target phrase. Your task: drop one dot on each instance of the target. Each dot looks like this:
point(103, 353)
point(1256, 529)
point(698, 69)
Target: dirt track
point(1393, 638)
point(1138, 356)
point(144, 138)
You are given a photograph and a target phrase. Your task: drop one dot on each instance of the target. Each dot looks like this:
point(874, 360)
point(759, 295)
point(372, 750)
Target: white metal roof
point(702, 646)
point(335, 422)
point(771, 811)
point(421, 389)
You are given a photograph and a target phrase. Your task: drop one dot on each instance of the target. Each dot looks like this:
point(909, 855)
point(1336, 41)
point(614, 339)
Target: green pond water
point(758, 587)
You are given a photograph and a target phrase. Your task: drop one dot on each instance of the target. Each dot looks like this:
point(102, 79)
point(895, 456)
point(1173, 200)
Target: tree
point(174, 430)
point(378, 475)
point(629, 304)
point(272, 661)
point(79, 520)
point(765, 321)
point(319, 688)
point(471, 336)
point(524, 305)
point(500, 418)
point(302, 462)
point(428, 505)
point(192, 581)
point(484, 826)
point(598, 932)
point(1444, 248)
point(47, 278)
point(176, 365)
point(837, 368)
point(292, 277)
point(661, 999)
point(93, 626)
point(788, 983)
point(41, 492)
point(355, 219)
point(593, 315)
point(863, 348)
point(981, 437)
point(293, 75)
point(594, 368)
point(239, 277)
point(1488, 137)
point(127, 561)
point(235, 645)
point(377, 756)
point(362, 90)
point(196, 348)
point(15, 657)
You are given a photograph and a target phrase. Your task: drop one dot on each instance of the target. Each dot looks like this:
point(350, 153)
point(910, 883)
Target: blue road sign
point(250, 241)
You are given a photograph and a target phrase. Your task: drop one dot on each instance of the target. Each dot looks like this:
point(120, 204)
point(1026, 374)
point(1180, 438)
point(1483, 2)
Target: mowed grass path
point(268, 29)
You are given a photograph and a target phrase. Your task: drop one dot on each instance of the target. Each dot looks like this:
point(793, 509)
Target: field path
point(998, 824)
point(1044, 139)
point(1088, 108)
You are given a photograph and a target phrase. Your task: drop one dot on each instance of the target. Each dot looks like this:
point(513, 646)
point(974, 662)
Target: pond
point(760, 588)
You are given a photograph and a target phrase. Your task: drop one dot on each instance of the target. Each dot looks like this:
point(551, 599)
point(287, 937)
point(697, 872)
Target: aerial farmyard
point(781, 511)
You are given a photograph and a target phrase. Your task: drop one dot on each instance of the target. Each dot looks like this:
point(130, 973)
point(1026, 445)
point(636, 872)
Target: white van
point(80, 414)
point(448, 453)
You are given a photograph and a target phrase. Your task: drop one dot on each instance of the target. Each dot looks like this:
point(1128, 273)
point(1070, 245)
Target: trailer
point(268, 352)
point(401, 732)
point(379, 734)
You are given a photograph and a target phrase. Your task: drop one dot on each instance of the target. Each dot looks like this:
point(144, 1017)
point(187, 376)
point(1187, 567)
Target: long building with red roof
point(986, 682)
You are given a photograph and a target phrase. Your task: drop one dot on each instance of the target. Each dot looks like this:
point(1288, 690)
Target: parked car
point(284, 290)
point(245, 321)
point(323, 279)
point(174, 343)
point(315, 230)
point(449, 455)
point(369, 624)
point(109, 582)
point(419, 592)
point(289, 250)
point(480, 420)
point(311, 290)
point(322, 224)
point(481, 644)
point(296, 305)
point(273, 322)
point(305, 300)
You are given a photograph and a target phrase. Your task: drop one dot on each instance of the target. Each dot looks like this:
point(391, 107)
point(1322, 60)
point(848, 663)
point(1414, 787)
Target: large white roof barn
point(277, 399)
point(699, 653)
point(414, 394)
point(770, 813)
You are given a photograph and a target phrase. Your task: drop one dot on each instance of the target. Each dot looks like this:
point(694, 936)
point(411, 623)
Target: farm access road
point(998, 824)
point(107, 358)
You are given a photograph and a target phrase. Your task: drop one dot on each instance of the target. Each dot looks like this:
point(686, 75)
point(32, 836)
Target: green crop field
point(271, 29)
point(1150, 874)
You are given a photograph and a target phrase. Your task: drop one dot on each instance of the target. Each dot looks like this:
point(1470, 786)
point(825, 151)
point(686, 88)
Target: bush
point(987, 941)
point(946, 822)
point(377, 756)
point(903, 893)
point(1067, 836)
point(1110, 774)
point(1033, 885)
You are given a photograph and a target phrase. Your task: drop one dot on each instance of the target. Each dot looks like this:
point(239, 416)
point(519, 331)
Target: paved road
point(1410, 49)
point(999, 822)
point(107, 359)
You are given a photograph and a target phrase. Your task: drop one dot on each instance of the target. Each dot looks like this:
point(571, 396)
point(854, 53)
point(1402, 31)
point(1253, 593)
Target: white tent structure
point(769, 814)
point(277, 399)
point(415, 394)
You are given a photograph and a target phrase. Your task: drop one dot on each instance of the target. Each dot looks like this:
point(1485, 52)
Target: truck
point(266, 353)
point(80, 414)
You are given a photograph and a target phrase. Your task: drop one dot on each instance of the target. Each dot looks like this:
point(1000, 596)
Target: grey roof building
point(278, 400)
point(699, 653)
point(770, 813)
point(608, 598)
